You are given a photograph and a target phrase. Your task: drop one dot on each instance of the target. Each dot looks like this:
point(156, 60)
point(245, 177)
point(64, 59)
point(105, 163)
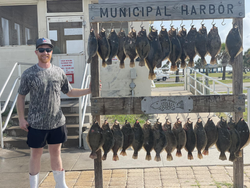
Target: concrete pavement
point(127, 172)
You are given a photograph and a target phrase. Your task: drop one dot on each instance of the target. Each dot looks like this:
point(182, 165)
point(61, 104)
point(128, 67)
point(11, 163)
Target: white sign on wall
point(67, 65)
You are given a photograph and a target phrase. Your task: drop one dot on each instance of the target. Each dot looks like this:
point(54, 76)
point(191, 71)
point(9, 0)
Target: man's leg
point(56, 165)
point(35, 165)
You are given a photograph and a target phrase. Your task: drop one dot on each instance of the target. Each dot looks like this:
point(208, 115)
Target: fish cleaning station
point(107, 11)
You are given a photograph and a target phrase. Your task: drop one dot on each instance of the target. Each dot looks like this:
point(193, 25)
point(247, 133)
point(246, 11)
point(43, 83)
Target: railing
point(205, 86)
point(83, 101)
point(2, 110)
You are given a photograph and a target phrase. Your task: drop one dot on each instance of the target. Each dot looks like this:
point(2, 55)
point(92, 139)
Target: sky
point(223, 30)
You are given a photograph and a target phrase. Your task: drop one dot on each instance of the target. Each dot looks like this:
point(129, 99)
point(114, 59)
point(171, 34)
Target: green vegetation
point(168, 85)
point(223, 184)
point(130, 118)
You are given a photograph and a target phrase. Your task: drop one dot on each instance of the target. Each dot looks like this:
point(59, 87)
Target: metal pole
point(248, 106)
point(195, 83)
point(1, 126)
point(203, 82)
point(188, 81)
point(185, 77)
point(80, 122)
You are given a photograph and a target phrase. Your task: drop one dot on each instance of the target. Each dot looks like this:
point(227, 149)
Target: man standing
point(46, 122)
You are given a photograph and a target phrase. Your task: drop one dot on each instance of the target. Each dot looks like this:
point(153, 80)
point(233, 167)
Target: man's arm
point(78, 92)
point(23, 124)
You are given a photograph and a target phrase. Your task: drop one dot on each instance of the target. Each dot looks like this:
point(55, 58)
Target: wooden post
point(238, 176)
point(95, 79)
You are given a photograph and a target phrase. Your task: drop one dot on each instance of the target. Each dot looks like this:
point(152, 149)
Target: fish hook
point(91, 26)
point(166, 118)
point(223, 23)
point(202, 22)
point(171, 24)
point(198, 116)
point(161, 23)
point(121, 26)
point(131, 25)
point(192, 23)
point(208, 115)
point(213, 23)
point(187, 118)
point(181, 23)
point(177, 116)
point(141, 24)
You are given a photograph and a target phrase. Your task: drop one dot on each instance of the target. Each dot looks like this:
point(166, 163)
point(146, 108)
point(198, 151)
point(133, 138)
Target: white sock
point(59, 177)
point(34, 180)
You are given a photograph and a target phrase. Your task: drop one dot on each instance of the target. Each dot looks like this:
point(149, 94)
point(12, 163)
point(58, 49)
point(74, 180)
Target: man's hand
point(23, 124)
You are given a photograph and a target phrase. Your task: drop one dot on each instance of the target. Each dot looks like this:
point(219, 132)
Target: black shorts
point(37, 138)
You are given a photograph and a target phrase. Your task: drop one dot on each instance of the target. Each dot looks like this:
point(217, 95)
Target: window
point(64, 6)
point(18, 25)
point(5, 29)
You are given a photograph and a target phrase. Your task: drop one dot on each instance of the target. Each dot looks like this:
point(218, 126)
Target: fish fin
point(141, 63)
point(231, 60)
point(191, 62)
point(213, 61)
point(174, 67)
point(180, 105)
point(203, 61)
point(135, 155)
point(104, 64)
point(132, 64)
point(157, 158)
point(222, 156)
point(205, 152)
point(104, 157)
point(89, 60)
point(241, 49)
point(178, 153)
point(190, 156)
point(239, 153)
point(109, 61)
point(115, 158)
point(122, 64)
point(232, 157)
point(169, 157)
point(148, 157)
point(93, 155)
point(183, 64)
point(123, 153)
point(200, 155)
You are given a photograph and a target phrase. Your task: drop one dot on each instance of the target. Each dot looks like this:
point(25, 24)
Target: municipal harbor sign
point(168, 10)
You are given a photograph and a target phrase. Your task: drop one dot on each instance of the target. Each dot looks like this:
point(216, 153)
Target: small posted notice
point(67, 65)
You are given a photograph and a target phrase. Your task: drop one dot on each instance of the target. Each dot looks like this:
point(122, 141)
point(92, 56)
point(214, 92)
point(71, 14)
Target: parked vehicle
point(160, 75)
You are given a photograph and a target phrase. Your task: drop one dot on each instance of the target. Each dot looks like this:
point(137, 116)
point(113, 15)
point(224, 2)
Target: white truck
point(160, 75)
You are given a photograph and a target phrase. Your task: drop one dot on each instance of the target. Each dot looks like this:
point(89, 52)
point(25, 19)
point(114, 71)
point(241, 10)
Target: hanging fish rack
point(145, 10)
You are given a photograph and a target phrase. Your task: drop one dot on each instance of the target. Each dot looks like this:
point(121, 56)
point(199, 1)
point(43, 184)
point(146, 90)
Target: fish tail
point(93, 155)
point(151, 76)
point(122, 64)
point(231, 60)
point(213, 61)
point(109, 61)
point(115, 157)
point(239, 153)
point(104, 64)
point(174, 67)
point(157, 158)
point(191, 62)
point(222, 156)
point(123, 153)
point(132, 64)
point(178, 153)
point(190, 156)
point(205, 152)
point(232, 157)
point(89, 60)
point(183, 64)
point(203, 61)
point(141, 63)
point(148, 156)
point(169, 157)
point(135, 155)
point(104, 157)
point(200, 156)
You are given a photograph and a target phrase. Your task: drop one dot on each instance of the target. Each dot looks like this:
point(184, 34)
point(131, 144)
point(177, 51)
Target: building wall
point(115, 80)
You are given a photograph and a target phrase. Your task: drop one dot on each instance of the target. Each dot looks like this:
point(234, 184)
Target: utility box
point(133, 73)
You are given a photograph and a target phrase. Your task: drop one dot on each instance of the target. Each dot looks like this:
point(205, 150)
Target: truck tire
point(164, 79)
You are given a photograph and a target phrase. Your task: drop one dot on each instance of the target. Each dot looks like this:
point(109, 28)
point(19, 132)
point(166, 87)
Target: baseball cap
point(43, 41)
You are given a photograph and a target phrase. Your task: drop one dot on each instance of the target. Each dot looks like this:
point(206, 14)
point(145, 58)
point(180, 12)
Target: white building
point(66, 22)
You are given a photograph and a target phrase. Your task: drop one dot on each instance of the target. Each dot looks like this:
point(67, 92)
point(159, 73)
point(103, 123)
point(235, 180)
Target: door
point(67, 36)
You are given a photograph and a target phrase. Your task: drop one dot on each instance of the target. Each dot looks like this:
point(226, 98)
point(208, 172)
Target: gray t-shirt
point(44, 86)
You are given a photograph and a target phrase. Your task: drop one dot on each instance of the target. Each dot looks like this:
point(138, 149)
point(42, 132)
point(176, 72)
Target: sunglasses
point(41, 50)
